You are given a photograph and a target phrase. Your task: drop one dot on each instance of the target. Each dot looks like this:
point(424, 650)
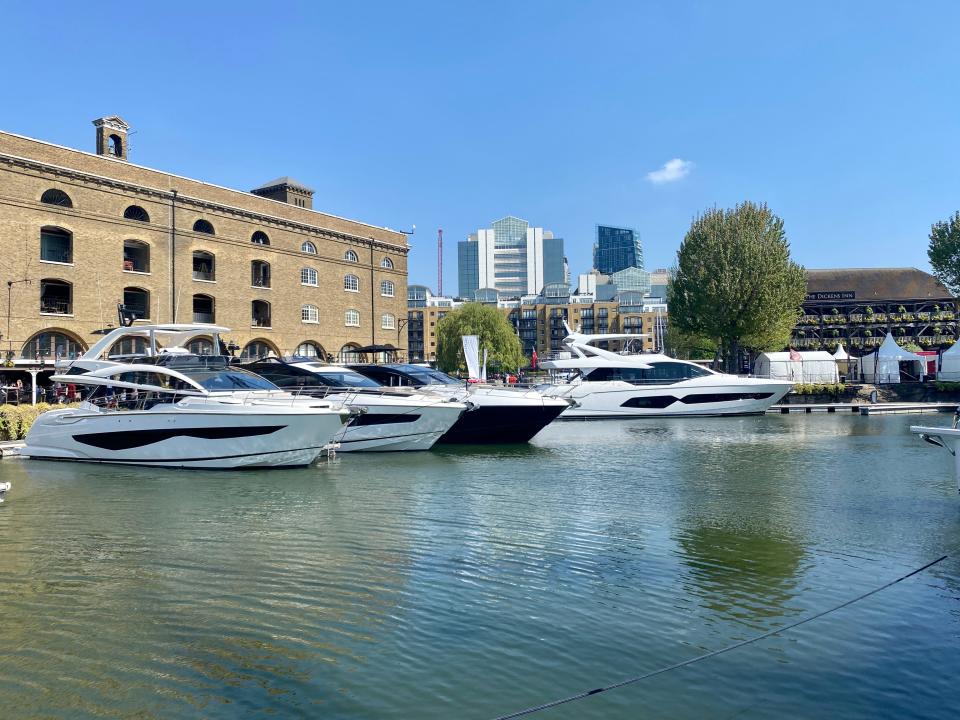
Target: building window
point(388, 322)
point(260, 314)
point(260, 238)
point(308, 247)
point(136, 256)
point(348, 354)
point(51, 345)
point(201, 346)
point(351, 318)
point(128, 346)
point(260, 273)
point(351, 256)
point(308, 349)
point(135, 212)
point(204, 266)
point(203, 309)
point(56, 245)
point(202, 226)
point(386, 263)
point(256, 350)
point(137, 302)
point(351, 283)
point(56, 297)
point(386, 288)
point(308, 276)
point(309, 314)
point(56, 197)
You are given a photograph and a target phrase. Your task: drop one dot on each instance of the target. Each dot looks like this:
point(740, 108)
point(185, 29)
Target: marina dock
point(865, 408)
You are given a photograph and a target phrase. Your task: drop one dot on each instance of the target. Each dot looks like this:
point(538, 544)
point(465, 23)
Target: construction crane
point(440, 262)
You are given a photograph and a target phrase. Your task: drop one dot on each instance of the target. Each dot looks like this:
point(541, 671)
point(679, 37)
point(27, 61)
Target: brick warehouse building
point(81, 233)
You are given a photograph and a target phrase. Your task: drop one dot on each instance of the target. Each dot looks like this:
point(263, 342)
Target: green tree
point(944, 251)
point(735, 282)
point(494, 331)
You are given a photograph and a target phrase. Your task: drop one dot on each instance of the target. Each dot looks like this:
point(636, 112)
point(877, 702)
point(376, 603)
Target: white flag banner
point(483, 371)
point(471, 352)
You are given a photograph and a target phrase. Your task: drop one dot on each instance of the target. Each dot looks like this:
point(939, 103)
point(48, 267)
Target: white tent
point(840, 353)
point(950, 364)
point(813, 366)
point(883, 365)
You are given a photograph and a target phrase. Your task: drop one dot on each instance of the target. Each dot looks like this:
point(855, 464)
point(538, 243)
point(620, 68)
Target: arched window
point(201, 346)
point(56, 245)
point(260, 273)
point(308, 247)
point(137, 301)
point(351, 283)
point(136, 256)
point(309, 349)
point(135, 212)
point(56, 297)
point(351, 256)
point(51, 344)
point(260, 238)
point(204, 310)
point(388, 322)
point(351, 318)
point(204, 266)
point(128, 346)
point(386, 288)
point(115, 146)
point(203, 226)
point(348, 354)
point(56, 197)
point(308, 276)
point(387, 263)
point(260, 314)
point(309, 314)
point(256, 350)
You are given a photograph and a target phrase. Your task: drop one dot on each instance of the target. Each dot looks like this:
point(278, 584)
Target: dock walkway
point(865, 408)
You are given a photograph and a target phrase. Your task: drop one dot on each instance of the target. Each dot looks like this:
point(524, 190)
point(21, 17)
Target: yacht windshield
point(234, 379)
point(344, 378)
point(659, 373)
point(427, 376)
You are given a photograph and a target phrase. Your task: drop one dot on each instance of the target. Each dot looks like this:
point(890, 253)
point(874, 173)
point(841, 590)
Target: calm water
point(468, 583)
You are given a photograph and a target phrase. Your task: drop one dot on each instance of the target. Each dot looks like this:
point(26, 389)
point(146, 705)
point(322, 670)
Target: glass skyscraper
point(617, 248)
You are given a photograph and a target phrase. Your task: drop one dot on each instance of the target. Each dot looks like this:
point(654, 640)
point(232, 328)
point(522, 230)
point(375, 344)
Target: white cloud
point(671, 171)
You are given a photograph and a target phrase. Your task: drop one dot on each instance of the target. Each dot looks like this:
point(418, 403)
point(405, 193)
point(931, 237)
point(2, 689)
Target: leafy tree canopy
point(944, 252)
point(495, 333)
point(735, 282)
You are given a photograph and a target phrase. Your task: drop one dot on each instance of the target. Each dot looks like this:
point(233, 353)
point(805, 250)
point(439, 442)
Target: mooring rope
point(721, 651)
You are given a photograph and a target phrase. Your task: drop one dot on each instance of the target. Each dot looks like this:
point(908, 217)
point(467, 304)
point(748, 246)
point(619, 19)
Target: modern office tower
point(510, 257)
point(617, 248)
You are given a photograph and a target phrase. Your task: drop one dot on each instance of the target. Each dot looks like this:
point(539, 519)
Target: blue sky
point(843, 117)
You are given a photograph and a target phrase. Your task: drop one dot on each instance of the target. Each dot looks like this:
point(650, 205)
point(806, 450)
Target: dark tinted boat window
point(657, 373)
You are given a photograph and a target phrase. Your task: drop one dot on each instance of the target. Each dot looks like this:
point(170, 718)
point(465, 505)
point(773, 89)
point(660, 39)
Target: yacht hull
point(503, 415)
point(395, 426)
point(615, 399)
point(181, 438)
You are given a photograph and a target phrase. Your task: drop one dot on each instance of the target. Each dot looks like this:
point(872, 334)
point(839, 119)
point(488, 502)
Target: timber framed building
point(81, 233)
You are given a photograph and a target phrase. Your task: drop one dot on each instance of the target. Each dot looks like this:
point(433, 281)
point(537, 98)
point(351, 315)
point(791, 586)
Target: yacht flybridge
point(606, 384)
point(185, 411)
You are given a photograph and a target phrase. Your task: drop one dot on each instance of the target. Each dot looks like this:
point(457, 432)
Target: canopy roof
point(889, 350)
point(840, 353)
point(805, 356)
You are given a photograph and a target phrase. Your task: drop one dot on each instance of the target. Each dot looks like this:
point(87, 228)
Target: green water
point(472, 582)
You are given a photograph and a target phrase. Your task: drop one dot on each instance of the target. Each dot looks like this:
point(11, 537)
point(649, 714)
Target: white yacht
point(605, 384)
point(499, 414)
point(385, 419)
point(187, 412)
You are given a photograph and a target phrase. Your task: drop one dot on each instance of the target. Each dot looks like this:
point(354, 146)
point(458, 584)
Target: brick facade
point(101, 188)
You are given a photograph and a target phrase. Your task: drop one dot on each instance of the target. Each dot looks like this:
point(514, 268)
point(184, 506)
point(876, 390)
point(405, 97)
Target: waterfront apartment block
point(511, 258)
point(539, 320)
point(859, 306)
point(82, 233)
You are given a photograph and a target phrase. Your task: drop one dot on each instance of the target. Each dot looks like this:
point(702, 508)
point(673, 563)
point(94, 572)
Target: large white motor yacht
point(189, 412)
point(606, 384)
point(385, 419)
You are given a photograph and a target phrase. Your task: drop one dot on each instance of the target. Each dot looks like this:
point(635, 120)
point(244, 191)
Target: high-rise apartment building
point(510, 257)
point(617, 248)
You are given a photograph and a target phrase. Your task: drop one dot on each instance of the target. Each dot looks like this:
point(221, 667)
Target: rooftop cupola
point(286, 189)
point(112, 136)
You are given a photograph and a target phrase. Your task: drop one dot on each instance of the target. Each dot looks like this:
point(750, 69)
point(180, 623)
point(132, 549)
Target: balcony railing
point(55, 307)
point(262, 322)
point(200, 317)
point(202, 275)
point(55, 254)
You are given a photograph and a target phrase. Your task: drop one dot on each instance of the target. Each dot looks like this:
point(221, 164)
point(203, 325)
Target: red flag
point(533, 360)
point(795, 356)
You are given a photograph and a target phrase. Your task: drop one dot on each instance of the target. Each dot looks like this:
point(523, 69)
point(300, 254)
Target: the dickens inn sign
point(835, 295)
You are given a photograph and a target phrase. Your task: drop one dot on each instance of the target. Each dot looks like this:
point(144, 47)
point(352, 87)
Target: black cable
point(714, 653)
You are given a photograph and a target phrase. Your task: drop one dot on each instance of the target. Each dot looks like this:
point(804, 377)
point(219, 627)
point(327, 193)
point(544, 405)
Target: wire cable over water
point(720, 651)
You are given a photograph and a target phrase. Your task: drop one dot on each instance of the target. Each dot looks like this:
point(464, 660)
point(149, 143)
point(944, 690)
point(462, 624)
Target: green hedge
point(948, 386)
point(819, 388)
point(15, 420)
